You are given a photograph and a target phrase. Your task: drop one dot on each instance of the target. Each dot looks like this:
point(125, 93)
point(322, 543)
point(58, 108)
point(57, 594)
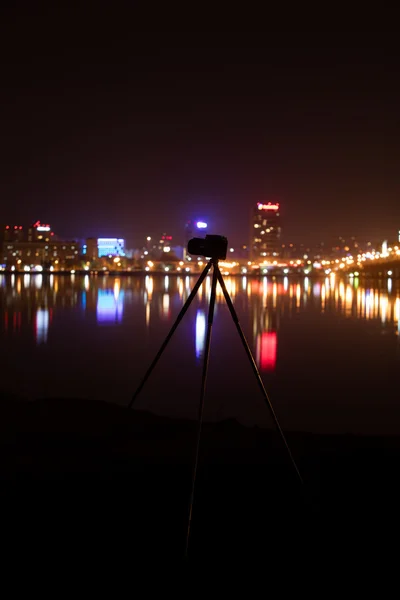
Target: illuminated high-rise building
point(266, 231)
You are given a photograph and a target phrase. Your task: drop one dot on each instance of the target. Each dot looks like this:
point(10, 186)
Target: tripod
point(217, 277)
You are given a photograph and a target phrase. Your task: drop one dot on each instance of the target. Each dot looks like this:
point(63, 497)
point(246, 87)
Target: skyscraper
point(266, 231)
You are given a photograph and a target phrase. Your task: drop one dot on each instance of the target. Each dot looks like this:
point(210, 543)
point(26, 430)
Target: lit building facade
point(39, 253)
point(266, 231)
point(36, 248)
point(111, 247)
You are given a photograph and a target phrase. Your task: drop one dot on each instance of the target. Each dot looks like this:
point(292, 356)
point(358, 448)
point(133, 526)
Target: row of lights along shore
point(38, 249)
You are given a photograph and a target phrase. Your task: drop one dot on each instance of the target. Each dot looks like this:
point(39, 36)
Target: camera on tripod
point(212, 246)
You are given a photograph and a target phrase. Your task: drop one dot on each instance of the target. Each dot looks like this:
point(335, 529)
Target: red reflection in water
point(267, 350)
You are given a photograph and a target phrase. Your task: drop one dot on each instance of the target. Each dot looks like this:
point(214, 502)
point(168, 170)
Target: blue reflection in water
point(200, 332)
point(110, 306)
point(42, 325)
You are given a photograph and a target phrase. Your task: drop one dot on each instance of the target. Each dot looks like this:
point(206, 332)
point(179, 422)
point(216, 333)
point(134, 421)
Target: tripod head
point(212, 246)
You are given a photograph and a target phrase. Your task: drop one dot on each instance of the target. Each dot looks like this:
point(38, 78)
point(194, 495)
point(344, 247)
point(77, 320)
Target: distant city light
point(43, 228)
point(167, 248)
point(201, 225)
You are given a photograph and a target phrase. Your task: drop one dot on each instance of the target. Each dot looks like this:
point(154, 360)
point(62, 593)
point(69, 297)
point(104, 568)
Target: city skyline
point(24, 233)
point(150, 130)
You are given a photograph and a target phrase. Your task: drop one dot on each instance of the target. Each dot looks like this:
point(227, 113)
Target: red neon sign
point(268, 206)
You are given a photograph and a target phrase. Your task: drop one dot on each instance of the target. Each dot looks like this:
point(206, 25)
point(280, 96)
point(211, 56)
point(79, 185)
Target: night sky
point(108, 131)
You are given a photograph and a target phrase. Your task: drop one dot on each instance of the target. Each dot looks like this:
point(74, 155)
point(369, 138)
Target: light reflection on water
point(47, 311)
point(107, 295)
point(110, 305)
point(200, 332)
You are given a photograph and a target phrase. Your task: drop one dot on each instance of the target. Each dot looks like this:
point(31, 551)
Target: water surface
point(328, 350)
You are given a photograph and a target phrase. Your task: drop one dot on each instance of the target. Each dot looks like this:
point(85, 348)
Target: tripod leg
point(173, 328)
point(254, 367)
point(202, 394)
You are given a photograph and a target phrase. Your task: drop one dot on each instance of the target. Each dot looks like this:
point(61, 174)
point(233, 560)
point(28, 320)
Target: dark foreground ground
point(94, 479)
